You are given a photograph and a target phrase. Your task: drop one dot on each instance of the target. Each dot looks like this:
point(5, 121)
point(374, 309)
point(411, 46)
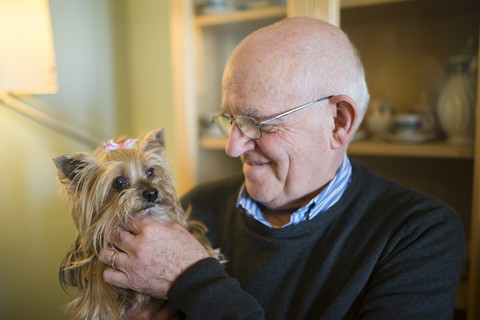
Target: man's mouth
point(255, 163)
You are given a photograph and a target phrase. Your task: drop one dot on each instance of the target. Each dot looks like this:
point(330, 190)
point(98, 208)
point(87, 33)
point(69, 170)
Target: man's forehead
point(255, 95)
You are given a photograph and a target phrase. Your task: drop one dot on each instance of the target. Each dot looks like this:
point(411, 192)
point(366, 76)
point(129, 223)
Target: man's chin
point(259, 191)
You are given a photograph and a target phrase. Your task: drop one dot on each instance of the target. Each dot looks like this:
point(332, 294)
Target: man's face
point(293, 160)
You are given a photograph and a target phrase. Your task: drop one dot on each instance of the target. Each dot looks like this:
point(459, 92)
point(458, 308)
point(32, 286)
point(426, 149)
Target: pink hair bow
point(127, 144)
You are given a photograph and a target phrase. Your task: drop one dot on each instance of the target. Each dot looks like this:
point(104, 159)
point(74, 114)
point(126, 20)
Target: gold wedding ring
point(112, 260)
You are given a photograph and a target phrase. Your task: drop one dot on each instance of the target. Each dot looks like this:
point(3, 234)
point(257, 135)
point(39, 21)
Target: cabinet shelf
point(268, 12)
point(360, 3)
point(437, 149)
point(259, 13)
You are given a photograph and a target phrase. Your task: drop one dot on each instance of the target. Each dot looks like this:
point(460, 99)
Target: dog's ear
point(154, 140)
point(70, 166)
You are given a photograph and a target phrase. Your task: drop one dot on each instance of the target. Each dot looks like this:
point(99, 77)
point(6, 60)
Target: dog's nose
point(150, 194)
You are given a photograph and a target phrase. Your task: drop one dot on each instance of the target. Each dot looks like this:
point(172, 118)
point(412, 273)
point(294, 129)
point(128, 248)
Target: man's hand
point(151, 255)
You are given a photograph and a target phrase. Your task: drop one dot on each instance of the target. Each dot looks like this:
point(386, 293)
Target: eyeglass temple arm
point(294, 110)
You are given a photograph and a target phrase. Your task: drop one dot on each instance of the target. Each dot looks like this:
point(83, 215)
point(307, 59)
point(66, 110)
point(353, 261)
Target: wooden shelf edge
point(380, 148)
point(360, 3)
point(272, 11)
point(437, 149)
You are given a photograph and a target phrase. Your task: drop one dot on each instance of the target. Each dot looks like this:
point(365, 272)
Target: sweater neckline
point(318, 223)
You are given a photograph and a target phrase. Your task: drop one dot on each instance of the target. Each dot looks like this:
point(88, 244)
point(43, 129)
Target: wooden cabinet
point(201, 45)
point(405, 46)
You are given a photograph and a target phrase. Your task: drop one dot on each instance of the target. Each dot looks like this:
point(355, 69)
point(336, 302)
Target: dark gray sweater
point(382, 252)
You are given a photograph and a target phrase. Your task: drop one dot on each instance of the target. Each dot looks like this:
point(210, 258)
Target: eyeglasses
point(248, 125)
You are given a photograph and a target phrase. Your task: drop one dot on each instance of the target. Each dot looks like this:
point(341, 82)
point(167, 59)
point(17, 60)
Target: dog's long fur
point(105, 190)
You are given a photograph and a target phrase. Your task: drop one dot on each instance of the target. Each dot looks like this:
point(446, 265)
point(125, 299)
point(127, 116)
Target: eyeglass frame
point(259, 124)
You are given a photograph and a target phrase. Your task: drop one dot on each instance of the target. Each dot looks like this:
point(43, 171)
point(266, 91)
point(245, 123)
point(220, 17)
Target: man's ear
point(345, 119)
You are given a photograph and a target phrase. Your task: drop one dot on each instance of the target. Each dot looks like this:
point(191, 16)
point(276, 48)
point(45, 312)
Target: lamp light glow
point(27, 61)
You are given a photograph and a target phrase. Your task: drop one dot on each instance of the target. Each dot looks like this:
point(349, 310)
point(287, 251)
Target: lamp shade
point(27, 60)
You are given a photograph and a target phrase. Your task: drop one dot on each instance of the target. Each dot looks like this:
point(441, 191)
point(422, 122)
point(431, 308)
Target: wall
point(36, 230)
point(149, 69)
point(102, 92)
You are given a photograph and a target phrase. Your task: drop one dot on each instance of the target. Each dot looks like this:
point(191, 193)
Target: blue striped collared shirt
point(327, 198)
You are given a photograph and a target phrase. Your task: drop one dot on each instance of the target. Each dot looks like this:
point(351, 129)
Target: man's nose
point(238, 143)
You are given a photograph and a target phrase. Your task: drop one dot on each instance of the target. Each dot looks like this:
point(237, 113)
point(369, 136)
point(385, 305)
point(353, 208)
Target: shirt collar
point(324, 200)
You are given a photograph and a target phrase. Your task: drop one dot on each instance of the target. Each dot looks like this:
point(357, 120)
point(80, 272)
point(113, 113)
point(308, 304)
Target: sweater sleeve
point(205, 291)
point(418, 275)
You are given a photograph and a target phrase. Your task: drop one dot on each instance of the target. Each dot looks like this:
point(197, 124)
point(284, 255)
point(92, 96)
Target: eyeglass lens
point(246, 124)
point(223, 125)
point(248, 127)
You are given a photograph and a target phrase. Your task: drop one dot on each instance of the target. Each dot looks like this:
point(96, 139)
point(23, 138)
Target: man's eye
point(269, 128)
point(120, 183)
point(150, 173)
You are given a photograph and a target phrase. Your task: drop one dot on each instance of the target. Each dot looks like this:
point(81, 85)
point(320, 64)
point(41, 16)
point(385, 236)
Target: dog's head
point(118, 181)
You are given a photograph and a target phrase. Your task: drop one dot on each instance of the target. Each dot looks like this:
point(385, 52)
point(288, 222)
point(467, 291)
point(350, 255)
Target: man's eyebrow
point(259, 116)
point(250, 112)
point(254, 113)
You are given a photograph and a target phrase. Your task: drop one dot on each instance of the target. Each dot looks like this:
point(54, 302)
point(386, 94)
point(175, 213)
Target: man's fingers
point(135, 224)
point(112, 257)
point(115, 277)
point(150, 256)
point(115, 236)
point(121, 239)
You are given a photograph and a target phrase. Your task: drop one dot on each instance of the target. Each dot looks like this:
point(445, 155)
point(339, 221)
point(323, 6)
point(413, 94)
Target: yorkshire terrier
point(105, 189)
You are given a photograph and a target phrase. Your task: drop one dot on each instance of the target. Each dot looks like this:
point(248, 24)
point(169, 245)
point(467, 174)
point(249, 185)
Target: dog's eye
point(150, 172)
point(120, 183)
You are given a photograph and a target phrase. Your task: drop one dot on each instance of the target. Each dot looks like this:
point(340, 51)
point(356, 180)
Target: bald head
point(298, 58)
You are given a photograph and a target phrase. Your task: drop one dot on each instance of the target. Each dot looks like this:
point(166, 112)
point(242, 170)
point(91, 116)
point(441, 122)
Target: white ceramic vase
point(456, 105)
point(379, 118)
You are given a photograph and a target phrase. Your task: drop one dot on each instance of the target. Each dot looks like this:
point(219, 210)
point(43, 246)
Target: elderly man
point(307, 233)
